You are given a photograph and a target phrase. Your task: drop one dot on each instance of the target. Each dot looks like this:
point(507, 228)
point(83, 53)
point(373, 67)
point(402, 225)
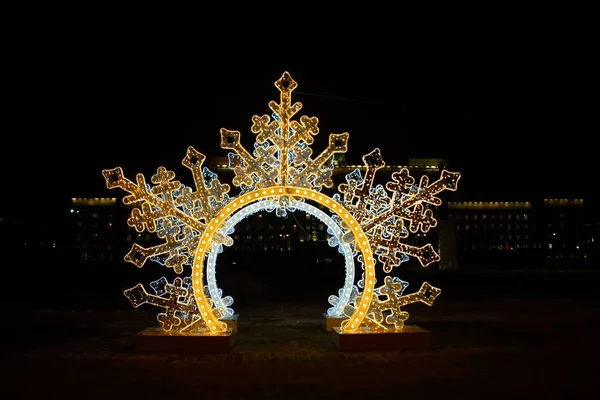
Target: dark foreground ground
point(541, 343)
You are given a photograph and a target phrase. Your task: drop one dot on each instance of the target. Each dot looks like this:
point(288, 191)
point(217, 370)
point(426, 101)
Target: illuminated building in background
point(92, 230)
point(97, 225)
point(367, 220)
point(469, 232)
point(520, 232)
point(300, 231)
point(591, 240)
point(562, 222)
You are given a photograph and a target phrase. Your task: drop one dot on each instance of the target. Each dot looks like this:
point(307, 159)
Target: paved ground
point(492, 349)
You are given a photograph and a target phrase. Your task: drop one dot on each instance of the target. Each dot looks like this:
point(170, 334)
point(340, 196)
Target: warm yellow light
point(362, 246)
point(281, 168)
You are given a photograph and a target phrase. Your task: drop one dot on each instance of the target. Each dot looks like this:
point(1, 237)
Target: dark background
point(507, 93)
point(507, 97)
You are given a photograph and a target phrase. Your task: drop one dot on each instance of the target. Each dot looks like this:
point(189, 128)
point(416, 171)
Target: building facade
point(518, 234)
point(522, 233)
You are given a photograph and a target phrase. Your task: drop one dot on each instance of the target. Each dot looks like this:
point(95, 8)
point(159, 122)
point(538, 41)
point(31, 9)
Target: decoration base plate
point(232, 322)
point(332, 322)
point(156, 340)
point(411, 336)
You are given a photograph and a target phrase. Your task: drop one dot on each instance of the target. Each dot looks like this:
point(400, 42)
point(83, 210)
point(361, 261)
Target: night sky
point(509, 108)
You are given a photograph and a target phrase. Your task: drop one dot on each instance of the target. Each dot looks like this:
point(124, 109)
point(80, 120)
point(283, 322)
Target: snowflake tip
point(193, 158)
point(113, 177)
point(374, 159)
point(450, 179)
point(229, 139)
point(286, 83)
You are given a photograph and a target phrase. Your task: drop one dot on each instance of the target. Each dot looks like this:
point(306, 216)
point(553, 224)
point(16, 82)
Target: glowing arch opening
point(376, 218)
point(224, 303)
point(213, 315)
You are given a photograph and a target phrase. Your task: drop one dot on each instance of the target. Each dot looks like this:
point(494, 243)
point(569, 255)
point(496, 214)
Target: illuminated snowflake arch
point(367, 222)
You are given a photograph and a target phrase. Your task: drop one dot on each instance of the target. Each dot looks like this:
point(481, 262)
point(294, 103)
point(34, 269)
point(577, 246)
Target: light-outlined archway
point(375, 219)
point(269, 205)
point(362, 244)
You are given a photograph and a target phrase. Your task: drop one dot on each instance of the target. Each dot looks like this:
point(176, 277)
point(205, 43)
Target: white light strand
point(269, 205)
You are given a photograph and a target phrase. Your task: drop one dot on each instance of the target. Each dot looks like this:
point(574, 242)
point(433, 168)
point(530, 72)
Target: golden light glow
point(281, 168)
point(96, 201)
point(384, 217)
point(392, 290)
point(563, 202)
point(283, 155)
point(180, 308)
point(162, 212)
point(279, 191)
point(489, 205)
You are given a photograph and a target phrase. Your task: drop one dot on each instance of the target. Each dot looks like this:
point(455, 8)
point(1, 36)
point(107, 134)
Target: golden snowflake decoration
point(282, 159)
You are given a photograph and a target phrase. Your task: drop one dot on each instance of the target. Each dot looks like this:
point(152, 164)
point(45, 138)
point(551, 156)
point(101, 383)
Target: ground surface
point(534, 347)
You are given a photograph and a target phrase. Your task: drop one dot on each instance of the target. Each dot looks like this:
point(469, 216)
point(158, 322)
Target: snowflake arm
point(389, 298)
point(383, 217)
point(139, 192)
point(194, 160)
point(178, 301)
point(358, 188)
point(315, 170)
point(248, 166)
point(173, 247)
point(282, 155)
point(167, 207)
point(403, 200)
